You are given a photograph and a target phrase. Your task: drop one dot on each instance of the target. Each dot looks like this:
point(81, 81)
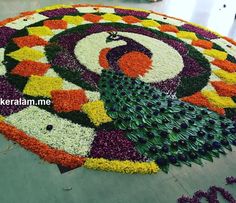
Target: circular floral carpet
point(128, 90)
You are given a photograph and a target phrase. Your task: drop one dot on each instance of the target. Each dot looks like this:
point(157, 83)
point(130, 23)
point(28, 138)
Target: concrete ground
point(24, 178)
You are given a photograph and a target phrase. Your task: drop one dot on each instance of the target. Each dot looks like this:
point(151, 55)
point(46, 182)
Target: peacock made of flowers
point(132, 91)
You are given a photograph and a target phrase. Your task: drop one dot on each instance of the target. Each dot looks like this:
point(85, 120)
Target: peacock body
point(163, 128)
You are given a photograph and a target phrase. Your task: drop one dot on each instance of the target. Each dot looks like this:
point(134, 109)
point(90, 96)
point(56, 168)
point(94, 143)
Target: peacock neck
point(133, 45)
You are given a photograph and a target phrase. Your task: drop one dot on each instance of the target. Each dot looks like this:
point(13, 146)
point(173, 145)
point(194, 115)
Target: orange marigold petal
point(55, 24)
point(27, 13)
point(29, 41)
point(168, 28)
point(134, 63)
point(92, 17)
point(8, 20)
point(103, 58)
point(224, 89)
point(28, 68)
point(23, 14)
point(68, 100)
point(225, 65)
point(42, 150)
point(131, 19)
point(199, 99)
point(202, 43)
point(230, 40)
point(220, 111)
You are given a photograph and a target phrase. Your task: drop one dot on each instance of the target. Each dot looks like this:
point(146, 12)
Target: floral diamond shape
point(96, 112)
point(26, 53)
point(42, 86)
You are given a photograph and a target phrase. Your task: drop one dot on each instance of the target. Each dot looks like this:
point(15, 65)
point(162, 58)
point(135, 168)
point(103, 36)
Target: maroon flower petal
point(191, 67)
point(200, 31)
point(113, 145)
point(59, 12)
point(5, 35)
point(8, 92)
point(139, 14)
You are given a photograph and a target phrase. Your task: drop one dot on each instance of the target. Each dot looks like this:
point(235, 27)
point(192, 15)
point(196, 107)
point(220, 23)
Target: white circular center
point(166, 61)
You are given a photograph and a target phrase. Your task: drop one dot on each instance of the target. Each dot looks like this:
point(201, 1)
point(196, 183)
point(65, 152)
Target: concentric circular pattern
point(132, 91)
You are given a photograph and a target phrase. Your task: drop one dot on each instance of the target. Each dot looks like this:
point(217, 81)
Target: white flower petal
point(65, 135)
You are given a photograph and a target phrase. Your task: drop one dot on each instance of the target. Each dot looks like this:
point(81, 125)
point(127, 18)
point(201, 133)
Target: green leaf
point(177, 164)
point(215, 153)
point(208, 157)
point(187, 163)
point(222, 151)
point(198, 161)
point(165, 168)
point(228, 147)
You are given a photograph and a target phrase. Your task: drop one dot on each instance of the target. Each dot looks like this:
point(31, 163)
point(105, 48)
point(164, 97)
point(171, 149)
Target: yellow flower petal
point(150, 23)
point(187, 35)
point(226, 76)
point(75, 20)
point(40, 31)
point(1, 118)
point(26, 53)
point(215, 53)
point(222, 102)
point(111, 17)
point(42, 86)
point(121, 166)
point(96, 112)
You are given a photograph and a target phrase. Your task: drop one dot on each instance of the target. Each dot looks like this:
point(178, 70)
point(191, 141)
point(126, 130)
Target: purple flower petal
point(113, 145)
point(178, 46)
point(230, 180)
point(59, 12)
point(99, 28)
point(69, 41)
point(66, 60)
point(9, 92)
point(200, 31)
point(191, 67)
point(5, 35)
point(90, 77)
point(211, 195)
point(141, 31)
point(69, 62)
point(139, 14)
point(169, 86)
